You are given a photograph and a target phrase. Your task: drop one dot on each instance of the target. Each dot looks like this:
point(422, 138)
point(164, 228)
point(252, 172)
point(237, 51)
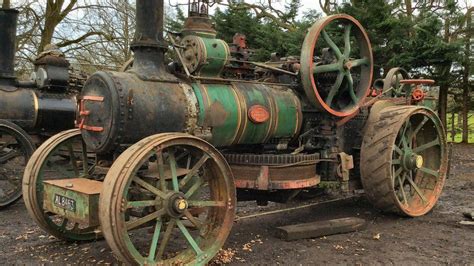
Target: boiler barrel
point(121, 109)
point(34, 110)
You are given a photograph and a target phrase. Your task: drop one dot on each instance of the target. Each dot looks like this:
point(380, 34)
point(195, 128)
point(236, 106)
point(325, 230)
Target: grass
point(458, 128)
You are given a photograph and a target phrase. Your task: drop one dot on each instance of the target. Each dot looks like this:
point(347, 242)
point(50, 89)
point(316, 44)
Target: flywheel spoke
point(335, 88)
point(331, 44)
point(347, 40)
point(359, 62)
point(350, 86)
point(326, 68)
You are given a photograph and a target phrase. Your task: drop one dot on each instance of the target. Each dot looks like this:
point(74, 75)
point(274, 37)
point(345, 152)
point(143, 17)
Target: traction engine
point(163, 151)
point(33, 110)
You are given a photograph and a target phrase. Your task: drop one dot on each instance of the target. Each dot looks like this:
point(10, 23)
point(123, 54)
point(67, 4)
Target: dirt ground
point(437, 238)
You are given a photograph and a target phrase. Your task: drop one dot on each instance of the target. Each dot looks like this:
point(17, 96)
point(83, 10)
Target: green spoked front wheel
point(62, 156)
point(169, 199)
point(404, 160)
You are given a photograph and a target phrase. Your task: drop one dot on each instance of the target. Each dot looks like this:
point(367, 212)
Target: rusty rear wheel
point(169, 199)
point(62, 156)
point(404, 160)
point(16, 147)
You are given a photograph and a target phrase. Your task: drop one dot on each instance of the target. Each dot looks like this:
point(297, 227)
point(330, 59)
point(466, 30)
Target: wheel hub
point(411, 160)
point(176, 204)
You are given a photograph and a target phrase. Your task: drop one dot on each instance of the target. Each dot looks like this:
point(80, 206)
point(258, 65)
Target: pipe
point(8, 22)
point(149, 46)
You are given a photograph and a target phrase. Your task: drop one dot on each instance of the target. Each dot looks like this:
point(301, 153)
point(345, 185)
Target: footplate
point(76, 199)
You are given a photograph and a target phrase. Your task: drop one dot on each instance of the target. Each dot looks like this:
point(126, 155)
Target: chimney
point(148, 45)
point(8, 21)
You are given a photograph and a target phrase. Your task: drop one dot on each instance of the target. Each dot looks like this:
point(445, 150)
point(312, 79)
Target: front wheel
point(404, 160)
point(168, 200)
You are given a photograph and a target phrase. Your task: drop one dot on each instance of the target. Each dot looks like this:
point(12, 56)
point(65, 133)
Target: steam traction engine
point(37, 108)
point(163, 152)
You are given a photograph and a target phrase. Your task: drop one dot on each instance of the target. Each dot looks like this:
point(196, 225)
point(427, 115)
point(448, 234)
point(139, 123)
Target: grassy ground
point(458, 128)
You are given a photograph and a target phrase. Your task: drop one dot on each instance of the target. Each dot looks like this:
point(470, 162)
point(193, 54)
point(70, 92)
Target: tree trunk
point(443, 103)
point(6, 4)
point(465, 89)
point(453, 126)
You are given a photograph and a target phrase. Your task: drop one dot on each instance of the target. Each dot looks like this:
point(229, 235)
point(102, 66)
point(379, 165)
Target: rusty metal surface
point(264, 177)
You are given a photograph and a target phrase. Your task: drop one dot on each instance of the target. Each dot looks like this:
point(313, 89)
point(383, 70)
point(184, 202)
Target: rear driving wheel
point(168, 200)
point(16, 147)
point(404, 160)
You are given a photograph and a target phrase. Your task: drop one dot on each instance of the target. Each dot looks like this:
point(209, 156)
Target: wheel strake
point(404, 160)
point(197, 192)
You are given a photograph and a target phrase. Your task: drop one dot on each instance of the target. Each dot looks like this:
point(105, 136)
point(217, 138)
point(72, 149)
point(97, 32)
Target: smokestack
point(8, 21)
point(148, 45)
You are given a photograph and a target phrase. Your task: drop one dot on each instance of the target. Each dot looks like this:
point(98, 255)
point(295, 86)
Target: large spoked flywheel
point(404, 160)
point(336, 65)
point(168, 200)
point(16, 148)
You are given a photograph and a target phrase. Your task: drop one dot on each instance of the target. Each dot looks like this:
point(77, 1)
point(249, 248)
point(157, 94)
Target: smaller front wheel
point(169, 200)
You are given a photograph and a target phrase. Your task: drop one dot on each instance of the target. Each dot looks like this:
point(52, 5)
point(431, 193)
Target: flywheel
point(336, 65)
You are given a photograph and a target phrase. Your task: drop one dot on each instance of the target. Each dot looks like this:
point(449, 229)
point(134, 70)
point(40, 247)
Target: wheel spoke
point(350, 86)
point(326, 68)
point(418, 128)
point(145, 219)
point(429, 171)
point(73, 159)
point(426, 146)
point(331, 44)
point(396, 161)
point(193, 188)
point(149, 187)
point(161, 170)
point(417, 189)
point(154, 241)
point(334, 88)
point(398, 172)
point(193, 219)
point(9, 155)
point(166, 238)
point(189, 238)
point(174, 176)
point(400, 183)
point(193, 170)
point(347, 40)
point(397, 150)
point(205, 203)
point(143, 203)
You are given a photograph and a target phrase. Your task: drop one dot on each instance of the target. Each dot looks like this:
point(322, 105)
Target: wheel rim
point(418, 163)
point(53, 160)
point(15, 149)
point(330, 83)
point(169, 205)
point(392, 81)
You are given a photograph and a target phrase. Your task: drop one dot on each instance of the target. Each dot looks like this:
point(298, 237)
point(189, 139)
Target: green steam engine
point(163, 151)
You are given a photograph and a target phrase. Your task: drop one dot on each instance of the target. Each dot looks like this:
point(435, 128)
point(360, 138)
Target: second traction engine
point(164, 150)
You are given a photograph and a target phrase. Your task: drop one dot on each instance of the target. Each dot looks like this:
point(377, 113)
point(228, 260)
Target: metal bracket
point(83, 113)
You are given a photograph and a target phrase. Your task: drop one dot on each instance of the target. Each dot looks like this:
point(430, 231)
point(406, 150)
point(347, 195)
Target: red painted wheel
point(337, 65)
